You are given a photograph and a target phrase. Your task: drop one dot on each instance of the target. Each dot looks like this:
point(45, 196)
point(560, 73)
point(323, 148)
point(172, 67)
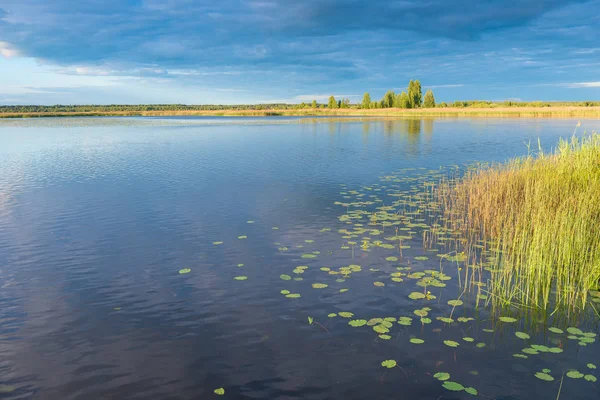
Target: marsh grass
point(533, 223)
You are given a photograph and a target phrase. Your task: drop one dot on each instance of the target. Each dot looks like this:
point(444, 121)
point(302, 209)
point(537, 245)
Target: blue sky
point(238, 51)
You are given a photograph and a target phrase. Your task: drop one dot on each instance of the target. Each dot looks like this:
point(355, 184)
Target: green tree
point(314, 104)
point(345, 103)
point(388, 99)
point(415, 95)
point(429, 99)
point(332, 103)
point(339, 104)
point(373, 104)
point(366, 101)
point(404, 100)
point(397, 101)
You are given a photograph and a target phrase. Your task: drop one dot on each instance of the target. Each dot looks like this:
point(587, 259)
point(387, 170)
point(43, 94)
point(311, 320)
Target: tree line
point(411, 98)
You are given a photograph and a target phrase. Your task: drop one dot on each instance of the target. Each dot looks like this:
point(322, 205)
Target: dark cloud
point(185, 32)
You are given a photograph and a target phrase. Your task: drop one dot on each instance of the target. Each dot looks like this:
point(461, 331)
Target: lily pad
point(357, 322)
point(522, 335)
point(220, 391)
point(451, 343)
point(471, 391)
point(590, 378)
point(508, 319)
point(575, 374)
point(455, 303)
point(285, 277)
point(185, 271)
point(389, 363)
point(544, 376)
point(555, 330)
point(417, 341)
point(293, 296)
point(319, 285)
point(241, 278)
point(416, 296)
point(442, 376)
point(574, 331)
point(453, 386)
point(346, 314)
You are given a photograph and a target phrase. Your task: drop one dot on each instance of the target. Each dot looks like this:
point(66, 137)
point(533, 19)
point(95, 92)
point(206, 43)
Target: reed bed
point(533, 223)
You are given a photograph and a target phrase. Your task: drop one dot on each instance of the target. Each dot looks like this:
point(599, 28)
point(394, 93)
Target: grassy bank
point(534, 223)
point(554, 111)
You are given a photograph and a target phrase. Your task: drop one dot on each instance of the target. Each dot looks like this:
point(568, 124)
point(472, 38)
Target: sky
point(264, 51)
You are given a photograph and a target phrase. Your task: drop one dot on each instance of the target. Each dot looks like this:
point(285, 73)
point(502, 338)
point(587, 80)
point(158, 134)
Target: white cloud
point(7, 51)
point(577, 85)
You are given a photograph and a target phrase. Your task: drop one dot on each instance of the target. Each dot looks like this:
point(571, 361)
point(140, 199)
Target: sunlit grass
point(541, 215)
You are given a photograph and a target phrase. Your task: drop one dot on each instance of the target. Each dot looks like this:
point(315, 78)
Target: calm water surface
point(98, 216)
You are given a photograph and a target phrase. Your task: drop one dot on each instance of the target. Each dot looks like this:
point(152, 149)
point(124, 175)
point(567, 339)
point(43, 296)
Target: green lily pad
point(574, 331)
point(468, 339)
point(310, 320)
point(319, 285)
point(285, 277)
point(391, 258)
point(243, 237)
point(220, 391)
point(357, 322)
point(332, 315)
point(442, 376)
point(406, 321)
point(543, 376)
point(591, 366)
point(346, 314)
point(293, 296)
point(389, 363)
point(451, 343)
point(185, 271)
point(344, 290)
point(555, 330)
point(520, 356)
point(217, 243)
point(241, 278)
point(471, 391)
point(379, 284)
point(522, 335)
point(416, 296)
point(508, 319)
point(417, 341)
point(480, 345)
point(455, 303)
point(385, 337)
point(453, 386)
point(575, 374)
point(590, 378)
point(555, 350)
point(285, 291)
point(380, 329)
point(308, 255)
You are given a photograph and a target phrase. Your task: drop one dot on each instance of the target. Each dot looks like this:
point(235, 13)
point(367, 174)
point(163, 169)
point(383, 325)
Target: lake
point(165, 258)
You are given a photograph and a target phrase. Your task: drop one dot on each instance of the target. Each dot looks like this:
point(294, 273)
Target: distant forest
point(411, 98)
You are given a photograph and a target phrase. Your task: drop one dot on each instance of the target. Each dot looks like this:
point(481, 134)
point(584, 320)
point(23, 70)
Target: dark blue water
point(98, 216)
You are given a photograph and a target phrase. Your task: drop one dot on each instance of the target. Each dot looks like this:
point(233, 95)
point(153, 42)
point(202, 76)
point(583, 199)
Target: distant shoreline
point(556, 112)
